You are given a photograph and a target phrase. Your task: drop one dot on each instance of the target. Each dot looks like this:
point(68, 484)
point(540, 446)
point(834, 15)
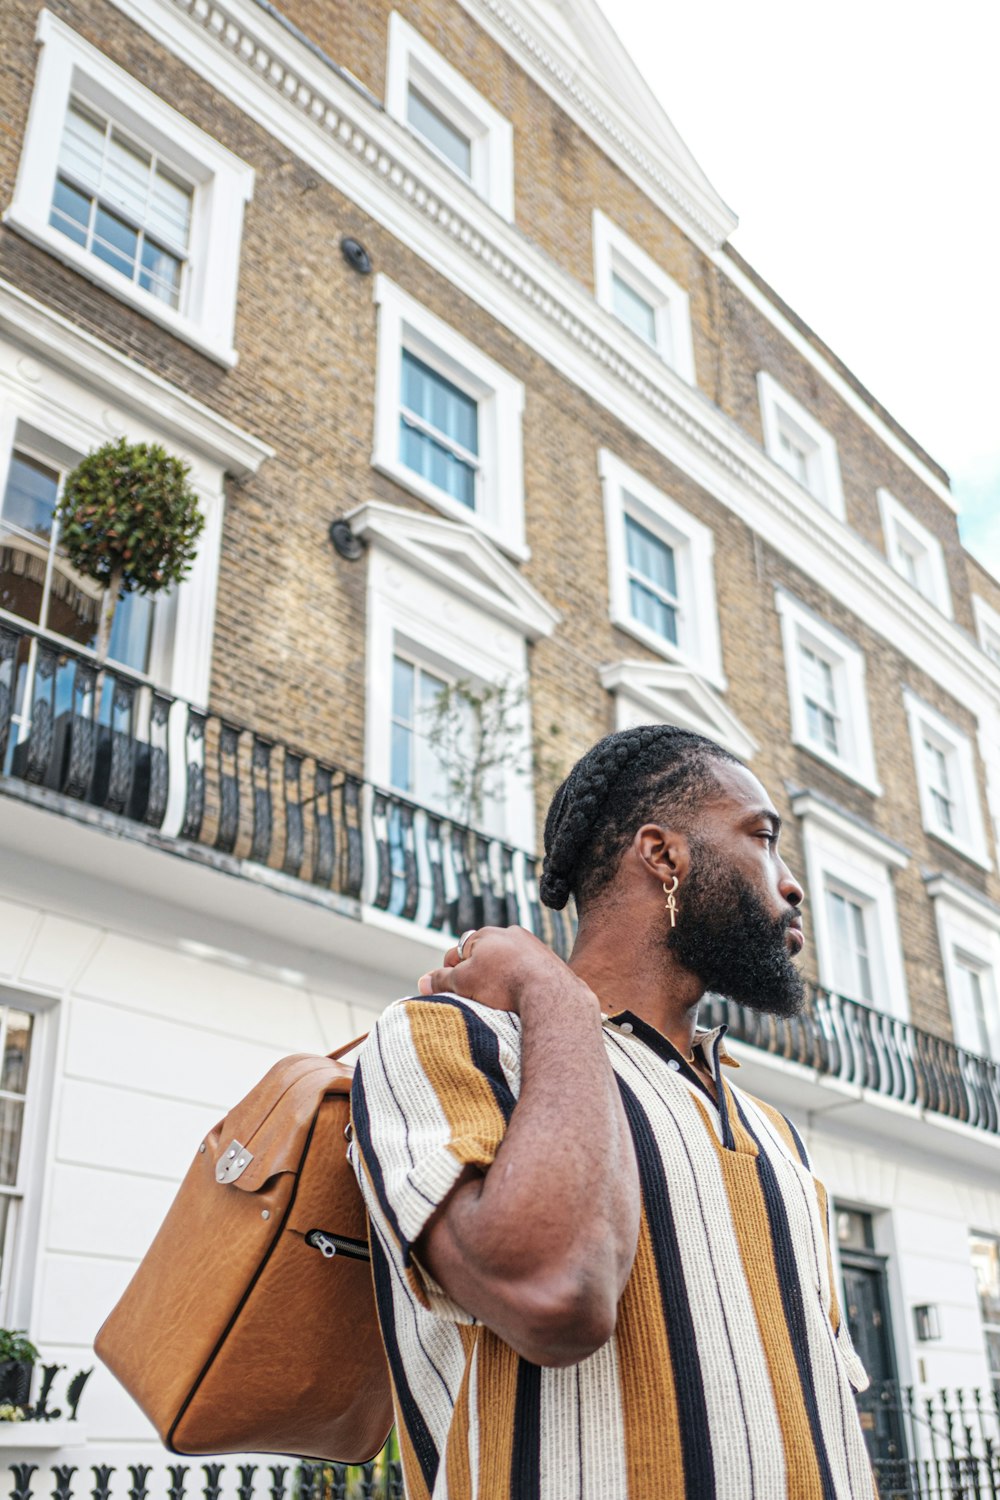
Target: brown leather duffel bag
point(250, 1325)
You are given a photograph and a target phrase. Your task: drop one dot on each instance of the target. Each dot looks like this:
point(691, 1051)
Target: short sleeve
point(430, 1098)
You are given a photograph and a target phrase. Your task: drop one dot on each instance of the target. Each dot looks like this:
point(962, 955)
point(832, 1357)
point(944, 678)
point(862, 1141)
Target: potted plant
point(17, 1360)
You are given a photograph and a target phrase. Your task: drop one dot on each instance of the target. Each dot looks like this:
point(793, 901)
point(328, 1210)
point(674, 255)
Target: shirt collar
point(701, 1038)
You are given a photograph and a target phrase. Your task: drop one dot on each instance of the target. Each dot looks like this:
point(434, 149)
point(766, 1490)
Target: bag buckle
point(233, 1162)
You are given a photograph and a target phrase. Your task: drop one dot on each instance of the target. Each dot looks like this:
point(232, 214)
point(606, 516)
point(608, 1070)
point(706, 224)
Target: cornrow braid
point(621, 782)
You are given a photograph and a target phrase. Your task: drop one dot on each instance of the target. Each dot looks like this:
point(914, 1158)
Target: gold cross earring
point(669, 891)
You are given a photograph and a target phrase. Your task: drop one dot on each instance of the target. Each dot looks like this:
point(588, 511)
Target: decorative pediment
point(655, 692)
point(459, 557)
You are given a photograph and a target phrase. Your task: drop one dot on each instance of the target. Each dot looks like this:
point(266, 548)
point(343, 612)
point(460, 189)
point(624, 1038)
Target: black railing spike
point(247, 1473)
point(102, 1481)
point(22, 1474)
point(63, 1476)
point(139, 1473)
point(308, 1474)
point(277, 1487)
point(178, 1481)
point(212, 1489)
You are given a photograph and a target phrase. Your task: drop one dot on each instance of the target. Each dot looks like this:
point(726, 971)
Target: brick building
point(446, 276)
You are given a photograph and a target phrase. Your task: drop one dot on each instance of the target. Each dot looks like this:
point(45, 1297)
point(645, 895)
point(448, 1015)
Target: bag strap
point(347, 1047)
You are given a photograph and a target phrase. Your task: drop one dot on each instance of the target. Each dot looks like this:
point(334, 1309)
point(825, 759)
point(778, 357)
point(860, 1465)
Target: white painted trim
point(834, 379)
point(462, 560)
point(859, 862)
point(367, 156)
point(970, 928)
point(970, 839)
point(779, 410)
point(412, 59)
point(847, 662)
point(222, 185)
point(616, 254)
point(987, 627)
point(627, 492)
point(896, 519)
point(404, 323)
point(652, 692)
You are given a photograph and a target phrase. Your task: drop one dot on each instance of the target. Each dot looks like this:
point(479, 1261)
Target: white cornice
point(65, 344)
point(812, 808)
point(251, 60)
point(941, 887)
point(675, 694)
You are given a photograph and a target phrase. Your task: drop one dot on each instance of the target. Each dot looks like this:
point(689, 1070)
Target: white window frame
point(987, 628)
point(969, 838)
point(898, 526)
point(19, 1296)
point(412, 60)
point(404, 324)
point(222, 185)
point(860, 863)
point(780, 411)
point(800, 626)
point(617, 255)
point(698, 643)
point(968, 930)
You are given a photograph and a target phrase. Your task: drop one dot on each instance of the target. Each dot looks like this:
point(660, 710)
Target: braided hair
point(625, 779)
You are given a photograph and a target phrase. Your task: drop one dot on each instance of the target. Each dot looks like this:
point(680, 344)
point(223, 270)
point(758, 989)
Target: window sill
point(968, 851)
point(37, 1436)
point(453, 509)
point(63, 248)
point(669, 652)
point(852, 773)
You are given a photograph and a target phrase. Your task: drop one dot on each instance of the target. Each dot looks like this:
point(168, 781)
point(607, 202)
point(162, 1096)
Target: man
point(603, 1271)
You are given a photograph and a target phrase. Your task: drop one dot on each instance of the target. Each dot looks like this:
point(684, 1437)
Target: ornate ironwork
point(9, 643)
point(194, 756)
point(138, 1474)
point(263, 815)
point(229, 787)
point(295, 833)
point(63, 1476)
point(21, 1488)
point(158, 761)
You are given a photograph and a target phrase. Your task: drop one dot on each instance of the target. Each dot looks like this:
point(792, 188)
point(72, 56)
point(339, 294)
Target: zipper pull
point(322, 1242)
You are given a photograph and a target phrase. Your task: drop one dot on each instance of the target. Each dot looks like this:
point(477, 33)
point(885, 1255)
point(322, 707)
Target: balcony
point(152, 768)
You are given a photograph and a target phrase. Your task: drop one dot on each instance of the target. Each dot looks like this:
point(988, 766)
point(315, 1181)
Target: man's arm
point(539, 1248)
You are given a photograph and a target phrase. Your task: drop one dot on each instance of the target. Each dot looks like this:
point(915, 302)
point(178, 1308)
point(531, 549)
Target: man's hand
point(541, 1246)
point(499, 967)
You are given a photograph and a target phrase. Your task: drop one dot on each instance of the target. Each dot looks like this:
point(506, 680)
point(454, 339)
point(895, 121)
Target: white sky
point(859, 143)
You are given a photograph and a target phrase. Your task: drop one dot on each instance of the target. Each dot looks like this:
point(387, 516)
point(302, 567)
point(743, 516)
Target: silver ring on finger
point(463, 940)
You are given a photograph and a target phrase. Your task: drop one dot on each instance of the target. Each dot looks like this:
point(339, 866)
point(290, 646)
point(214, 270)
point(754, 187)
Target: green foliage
point(15, 1345)
point(128, 515)
point(476, 734)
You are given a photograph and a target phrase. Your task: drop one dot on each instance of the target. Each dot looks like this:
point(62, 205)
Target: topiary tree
point(129, 519)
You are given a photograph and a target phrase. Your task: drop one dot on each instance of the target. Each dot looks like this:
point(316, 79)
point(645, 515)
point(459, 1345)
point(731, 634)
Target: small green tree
point(129, 519)
point(475, 733)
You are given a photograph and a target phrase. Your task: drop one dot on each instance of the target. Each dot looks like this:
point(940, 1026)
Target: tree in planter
point(129, 519)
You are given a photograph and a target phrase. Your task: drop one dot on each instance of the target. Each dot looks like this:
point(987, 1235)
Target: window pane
point(401, 754)
point(424, 455)
point(82, 150)
point(114, 242)
point(402, 689)
point(131, 632)
point(17, 1052)
point(440, 403)
point(11, 1122)
point(126, 180)
point(170, 210)
point(633, 309)
point(986, 1262)
point(651, 557)
point(793, 457)
point(650, 610)
point(70, 211)
point(30, 497)
point(439, 131)
point(161, 273)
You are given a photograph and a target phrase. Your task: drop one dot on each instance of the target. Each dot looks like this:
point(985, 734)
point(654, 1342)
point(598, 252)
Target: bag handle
point(347, 1047)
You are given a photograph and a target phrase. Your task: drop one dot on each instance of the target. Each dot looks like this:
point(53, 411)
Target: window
point(631, 286)
point(946, 780)
point(415, 768)
point(661, 570)
point(969, 936)
point(126, 190)
point(451, 118)
point(975, 999)
point(985, 1250)
point(21, 1067)
point(988, 627)
point(827, 694)
point(850, 872)
point(448, 420)
point(849, 917)
point(796, 441)
point(915, 553)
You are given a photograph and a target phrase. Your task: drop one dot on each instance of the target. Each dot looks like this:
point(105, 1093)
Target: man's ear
point(663, 852)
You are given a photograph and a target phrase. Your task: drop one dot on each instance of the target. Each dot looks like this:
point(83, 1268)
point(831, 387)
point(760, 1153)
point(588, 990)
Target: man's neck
point(633, 973)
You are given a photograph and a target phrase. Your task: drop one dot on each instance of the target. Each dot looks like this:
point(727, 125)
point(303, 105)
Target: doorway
point(866, 1310)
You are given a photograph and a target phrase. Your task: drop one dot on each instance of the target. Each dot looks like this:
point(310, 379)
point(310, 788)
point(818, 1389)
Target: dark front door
point(866, 1307)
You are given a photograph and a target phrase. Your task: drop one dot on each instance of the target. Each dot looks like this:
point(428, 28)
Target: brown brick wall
point(290, 643)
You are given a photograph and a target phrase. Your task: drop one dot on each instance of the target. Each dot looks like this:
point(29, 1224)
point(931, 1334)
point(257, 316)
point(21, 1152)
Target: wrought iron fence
point(189, 779)
point(936, 1445)
point(117, 743)
point(380, 1480)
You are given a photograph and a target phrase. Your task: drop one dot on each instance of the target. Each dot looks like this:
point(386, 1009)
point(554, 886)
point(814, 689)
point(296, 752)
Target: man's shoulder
point(442, 1018)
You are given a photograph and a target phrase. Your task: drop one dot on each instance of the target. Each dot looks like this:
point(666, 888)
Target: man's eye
point(765, 833)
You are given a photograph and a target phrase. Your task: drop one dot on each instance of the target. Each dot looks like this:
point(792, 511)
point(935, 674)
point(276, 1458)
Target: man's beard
point(727, 939)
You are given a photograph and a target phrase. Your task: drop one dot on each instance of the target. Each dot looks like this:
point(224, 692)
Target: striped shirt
point(729, 1374)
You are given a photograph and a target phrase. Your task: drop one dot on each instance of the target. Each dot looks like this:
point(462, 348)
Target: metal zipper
point(330, 1245)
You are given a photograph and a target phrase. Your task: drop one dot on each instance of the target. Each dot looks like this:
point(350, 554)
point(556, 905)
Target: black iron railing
point(291, 1480)
point(186, 778)
point(116, 743)
point(939, 1445)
